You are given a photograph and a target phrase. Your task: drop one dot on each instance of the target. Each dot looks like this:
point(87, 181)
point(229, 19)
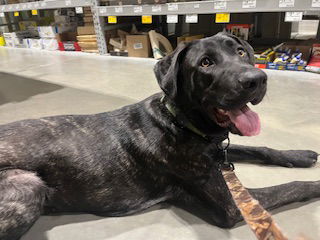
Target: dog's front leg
point(286, 158)
point(210, 200)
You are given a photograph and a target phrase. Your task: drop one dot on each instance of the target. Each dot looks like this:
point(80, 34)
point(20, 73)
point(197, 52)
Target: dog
point(165, 148)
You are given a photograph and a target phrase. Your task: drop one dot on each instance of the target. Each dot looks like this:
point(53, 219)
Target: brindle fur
point(121, 162)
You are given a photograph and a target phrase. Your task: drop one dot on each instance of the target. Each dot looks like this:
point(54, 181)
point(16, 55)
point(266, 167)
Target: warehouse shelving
point(45, 5)
point(207, 7)
point(176, 8)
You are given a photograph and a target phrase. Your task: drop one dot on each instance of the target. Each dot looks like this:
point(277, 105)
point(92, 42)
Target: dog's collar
point(184, 123)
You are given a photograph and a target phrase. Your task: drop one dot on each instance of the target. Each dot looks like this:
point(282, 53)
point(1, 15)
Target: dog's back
point(93, 162)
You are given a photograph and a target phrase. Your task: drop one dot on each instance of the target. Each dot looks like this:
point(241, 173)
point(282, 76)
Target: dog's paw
point(299, 158)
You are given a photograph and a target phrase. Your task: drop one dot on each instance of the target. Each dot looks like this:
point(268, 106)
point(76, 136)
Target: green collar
point(185, 123)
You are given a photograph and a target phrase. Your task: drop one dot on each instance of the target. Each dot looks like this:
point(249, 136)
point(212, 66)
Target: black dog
point(160, 149)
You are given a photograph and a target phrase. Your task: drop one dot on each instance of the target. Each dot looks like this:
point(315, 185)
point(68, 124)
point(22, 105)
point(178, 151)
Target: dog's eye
point(206, 62)
point(241, 52)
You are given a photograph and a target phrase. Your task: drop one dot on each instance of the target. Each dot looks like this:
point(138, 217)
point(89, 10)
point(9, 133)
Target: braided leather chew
point(259, 220)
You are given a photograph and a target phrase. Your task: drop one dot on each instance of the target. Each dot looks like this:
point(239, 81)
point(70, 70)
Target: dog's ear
point(167, 70)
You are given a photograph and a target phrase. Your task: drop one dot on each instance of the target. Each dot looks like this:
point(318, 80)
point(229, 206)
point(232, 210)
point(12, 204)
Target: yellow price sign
point(112, 19)
point(147, 19)
point(16, 14)
point(222, 17)
point(34, 12)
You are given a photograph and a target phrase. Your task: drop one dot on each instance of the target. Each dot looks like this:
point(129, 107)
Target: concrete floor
point(40, 83)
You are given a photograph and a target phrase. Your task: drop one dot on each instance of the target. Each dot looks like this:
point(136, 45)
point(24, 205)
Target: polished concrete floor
point(35, 84)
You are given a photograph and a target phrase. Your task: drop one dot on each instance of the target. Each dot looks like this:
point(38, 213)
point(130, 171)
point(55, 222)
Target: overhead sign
point(79, 10)
point(293, 16)
point(249, 4)
point(172, 18)
point(220, 5)
point(146, 19)
point(315, 3)
point(34, 12)
point(192, 18)
point(112, 19)
point(173, 7)
point(156, 8)
point(137, 9)
point(118, 9)
point(222, 17)
point(286, 3)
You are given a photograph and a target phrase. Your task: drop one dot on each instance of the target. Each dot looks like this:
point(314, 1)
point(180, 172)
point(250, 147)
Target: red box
point(260, 65)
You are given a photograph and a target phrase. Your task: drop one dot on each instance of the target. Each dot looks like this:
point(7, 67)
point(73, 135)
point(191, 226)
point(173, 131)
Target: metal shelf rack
point(45, 5)
point(178, 8)
point(207, 7)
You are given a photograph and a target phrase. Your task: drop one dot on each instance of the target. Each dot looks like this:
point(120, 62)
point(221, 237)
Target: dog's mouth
point(242, 121)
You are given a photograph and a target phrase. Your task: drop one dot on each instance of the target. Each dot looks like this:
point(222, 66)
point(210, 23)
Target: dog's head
point(214, 78)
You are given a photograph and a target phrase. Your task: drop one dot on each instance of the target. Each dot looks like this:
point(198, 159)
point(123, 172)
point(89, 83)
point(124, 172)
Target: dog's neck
point(183, 120)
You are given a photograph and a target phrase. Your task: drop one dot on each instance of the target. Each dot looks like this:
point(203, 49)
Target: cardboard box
point(88, 19)
point(15, 39)
point(138, 45)
point(52, 31)
point(186, 38)
point(23, 25)
point(119, 53)
point(62, 19)
point(12, 1)
point(66, 36)
point(17, 34)
point(88, 45)
point(86, 30)
point(87, 38)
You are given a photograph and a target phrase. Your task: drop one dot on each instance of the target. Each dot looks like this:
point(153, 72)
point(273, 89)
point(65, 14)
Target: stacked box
point(87, 17)
point(88, 43)
point(50, 34)
point(15, 39)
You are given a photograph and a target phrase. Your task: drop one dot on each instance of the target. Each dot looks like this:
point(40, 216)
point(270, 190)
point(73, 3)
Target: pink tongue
point(246, 121)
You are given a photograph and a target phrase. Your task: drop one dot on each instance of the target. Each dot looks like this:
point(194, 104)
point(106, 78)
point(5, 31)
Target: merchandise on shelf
point(240, 30)
point(314, 63)
point(15, 39)
point(2, 41)
point(287, 56)
point(12, 1)
point(86, 30)
point(52, 31)
point(67, 41)
point(138, 45)
point(156, 39)
point(26, 25)
point(117, 42)
point(188, 38)
point(49, 44)
point(69, 46)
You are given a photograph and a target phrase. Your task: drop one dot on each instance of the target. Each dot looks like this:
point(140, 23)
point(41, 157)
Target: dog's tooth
point(222, 111)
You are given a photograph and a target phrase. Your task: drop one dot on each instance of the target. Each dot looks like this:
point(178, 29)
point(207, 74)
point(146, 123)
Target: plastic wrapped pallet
point(49, 44)
point(35, 43)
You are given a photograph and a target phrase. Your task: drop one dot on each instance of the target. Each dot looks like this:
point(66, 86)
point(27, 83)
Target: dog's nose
point(251, 80)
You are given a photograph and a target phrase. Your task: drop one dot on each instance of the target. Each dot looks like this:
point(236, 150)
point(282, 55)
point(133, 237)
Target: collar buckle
point(223, 160)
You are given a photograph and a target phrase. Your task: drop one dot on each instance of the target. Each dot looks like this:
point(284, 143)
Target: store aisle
point(104, 74)
point(70, 83)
